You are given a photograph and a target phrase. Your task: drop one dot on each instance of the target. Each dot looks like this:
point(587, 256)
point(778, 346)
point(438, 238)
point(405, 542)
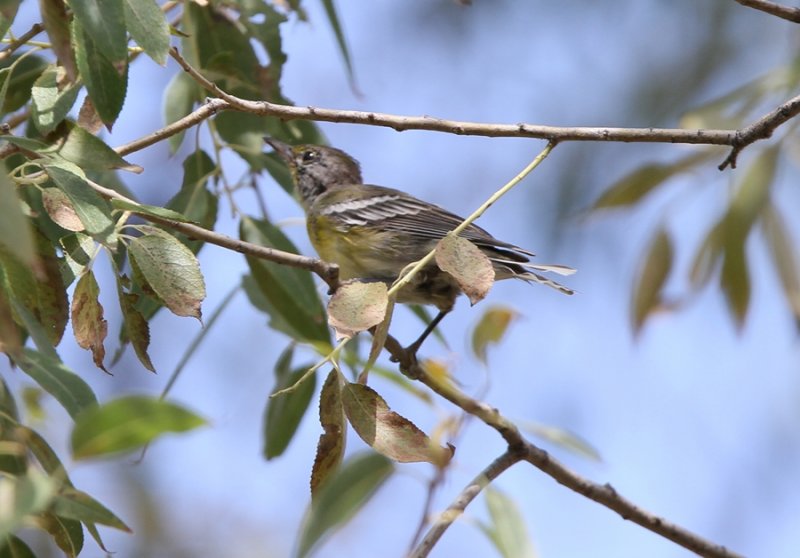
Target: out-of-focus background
point(694, 420)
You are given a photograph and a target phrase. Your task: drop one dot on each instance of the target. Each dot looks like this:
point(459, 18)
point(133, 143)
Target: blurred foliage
point(54, 226)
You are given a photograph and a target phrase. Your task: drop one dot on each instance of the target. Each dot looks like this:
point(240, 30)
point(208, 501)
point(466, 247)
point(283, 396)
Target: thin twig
point(328, 272)
point(785, 12)
point(603, 494)
point(35, 29)
point(456, 509)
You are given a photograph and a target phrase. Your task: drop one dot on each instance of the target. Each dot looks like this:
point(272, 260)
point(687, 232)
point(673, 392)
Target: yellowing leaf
point(330, 448)
point(470, 267)
point(387, 432)
point(357, 306)
point(490, 329)
point(59, 207)
point(88, 323)
point(783, 255)
point(172, 271)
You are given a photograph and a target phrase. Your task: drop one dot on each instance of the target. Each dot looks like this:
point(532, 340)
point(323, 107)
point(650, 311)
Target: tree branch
point(456, 509)
point(328, 272)
point(35, 29)
point(603, 494)
point(785, 12)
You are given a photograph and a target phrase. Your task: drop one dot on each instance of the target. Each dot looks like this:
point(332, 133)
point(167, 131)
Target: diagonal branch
point(35, 29)
point(604, 494)
point(456, 509)
point(328, 272)
point(772, 8)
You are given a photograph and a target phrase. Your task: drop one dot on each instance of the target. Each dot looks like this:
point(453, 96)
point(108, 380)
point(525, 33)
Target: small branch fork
point(520, 449)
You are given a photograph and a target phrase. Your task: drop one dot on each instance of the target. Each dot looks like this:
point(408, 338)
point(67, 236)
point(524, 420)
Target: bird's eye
point(309, 156)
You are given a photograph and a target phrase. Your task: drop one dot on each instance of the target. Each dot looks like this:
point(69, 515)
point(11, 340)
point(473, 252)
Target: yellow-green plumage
point(372, 232)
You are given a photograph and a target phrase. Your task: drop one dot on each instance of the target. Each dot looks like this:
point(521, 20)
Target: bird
point(373, 232)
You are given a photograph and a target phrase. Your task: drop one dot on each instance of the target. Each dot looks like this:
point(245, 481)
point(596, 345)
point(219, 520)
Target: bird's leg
point(414, 347)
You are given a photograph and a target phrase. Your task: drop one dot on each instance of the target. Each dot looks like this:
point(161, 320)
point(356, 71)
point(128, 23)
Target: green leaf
point(90, 152)
point(735, 280)
point(284, 412)
point(75, 504)
point(106, 78)
point(784, 256)
point(637, 185)
point(18, 73)
point(194, 199)
point(179, 98)
point(387, 432)
point(136, 328)
point(42, 294)
point(468, 265)
point(507, 527)
point(342, 497)
point(490, 329)
point(171, 270)
point(67, 533)
point(357, 306)
point(88, 323)
point(330, 447)
point(14, 547)
point(24, 496)
point(16, 233)
point(289, 292)
point(148, 27)
point(55, 378)
point(654, 271)
point(104, 21)
point(93, 211)
point(263, 22)
point(153, 210)
point(333, 18)
point(52, 102)
point(564, 439)
point(8, 11)
point(126, 424)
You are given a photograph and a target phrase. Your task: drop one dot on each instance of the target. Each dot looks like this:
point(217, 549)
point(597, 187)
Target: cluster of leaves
point(723, 252)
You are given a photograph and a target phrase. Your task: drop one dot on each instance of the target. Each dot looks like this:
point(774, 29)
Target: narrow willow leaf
point(88, 323)
point(753, 193)
point(24, 496)
point(333, 18)
point(148, 27)
point(179, 98)
point(55, 378)
point(16, 233)
point(104, 20)
point(14, 547)
point(194, 200)
point(105, 77)
point(67, 533)
point(564, 439)
point(637, 185)
point(735, 280)
point(154, 210)
point(90, 152)
point(172, 271)
point(289, 292)
point(136, 328)
point(42, 294)
point(707, 257)
point(126, 424)
point(76, 504)
point(18, 73)
point(330, 448)
point(345, 493)
point(8, 11)
point(284, 413)
point(357, 306)
point(387, 432)
point(10, 338)
point(784, 257)
point(52, 101)
point(470, 267)
point(507, 527)
point(93, 211)
point(490, 329)
point(651, 278)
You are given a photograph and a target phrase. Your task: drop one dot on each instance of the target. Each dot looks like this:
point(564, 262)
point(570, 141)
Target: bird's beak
point(284, 150)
